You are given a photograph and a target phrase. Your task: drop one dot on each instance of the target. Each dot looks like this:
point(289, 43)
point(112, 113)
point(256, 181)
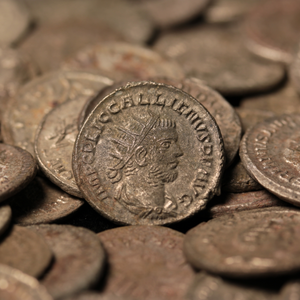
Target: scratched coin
point(124, 61)
point(42, 202)
point(55, 138)
point(231, 72)
point(266, 30)
point(5, 217)
point(17, 170)
point(295, 70)
point(79, 259)
point(270, 153)
point(16, 285)
point(26, 251)
point(38, 97)
point(148, 154)
point(146, 262)
point(261, 242)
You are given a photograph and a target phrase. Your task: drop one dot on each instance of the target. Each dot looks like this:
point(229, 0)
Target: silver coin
point(5, 217)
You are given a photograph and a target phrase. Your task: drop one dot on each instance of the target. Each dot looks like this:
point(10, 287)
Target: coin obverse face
point(148, 154)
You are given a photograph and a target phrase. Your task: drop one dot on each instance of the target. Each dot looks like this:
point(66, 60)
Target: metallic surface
point(5, 217)
point(294, 70)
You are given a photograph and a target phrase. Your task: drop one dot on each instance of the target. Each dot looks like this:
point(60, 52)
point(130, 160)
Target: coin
point(16, 285)
point(96, 296)
point(124, 61)
point(148, 154)
point(79, 259)
point(269, 152)
point(25, 250)
point(295, 70)
point(38, 97)
point(42, 202)
point(146, 262)
point(291, 291)
point(5, 217)
point(272, 30)
point(17, 170)
point(231, 72)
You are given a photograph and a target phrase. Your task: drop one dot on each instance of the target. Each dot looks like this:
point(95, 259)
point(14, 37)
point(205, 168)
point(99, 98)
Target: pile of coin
point(177, 119)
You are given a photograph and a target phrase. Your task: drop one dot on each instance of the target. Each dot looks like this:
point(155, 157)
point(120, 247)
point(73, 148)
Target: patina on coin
point(270, 153)
point(261, 242)
point(5, 217)
point(79, 259)
point(42, 202)
point(25, 250)
point(17, 170)
point(146, 262)
point(16, 285)
point(148, 154)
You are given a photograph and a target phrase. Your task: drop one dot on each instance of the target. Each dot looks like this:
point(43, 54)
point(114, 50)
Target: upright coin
point(17, 170)
point(5, 217)
point(26, 251)
point(270, 153)
point(295, 70)
point(262, 242)
point(146, 262)
point(79, 259)
point(42, 202)
point(148, 154)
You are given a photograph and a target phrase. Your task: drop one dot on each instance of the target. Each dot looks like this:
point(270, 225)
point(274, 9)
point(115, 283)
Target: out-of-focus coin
point(146, 262)
point(5, 217)
point(25, 250)
point(234, 202)
point(42, 202)
point(38, 97)
point(17, 170)
point(124, 61)
point(295, 70)
point(270, 153)
point(50, 44)
point(96, 296)
point(16, 285)
point(14, 20)
point(148, 154)
point(291, 291)
point(272, 30)
point(261, 242)
point(79, 259)
point(200, 52)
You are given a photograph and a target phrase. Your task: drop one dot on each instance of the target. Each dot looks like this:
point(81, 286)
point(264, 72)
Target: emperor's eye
point(165, 144)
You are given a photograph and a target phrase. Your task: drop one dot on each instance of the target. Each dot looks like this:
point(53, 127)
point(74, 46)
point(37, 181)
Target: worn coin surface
point(42, 202)
point(148, 154)
point(272, 30)
point(261, 242)
point(146, 262)
point(231, 72)
point(5, 217)
point(124, 61)
point(38, 97)
point(294, 70)
point(17, 169)
point(79, 259)
point(16, 285)
point(270, 153)
point(25, 250)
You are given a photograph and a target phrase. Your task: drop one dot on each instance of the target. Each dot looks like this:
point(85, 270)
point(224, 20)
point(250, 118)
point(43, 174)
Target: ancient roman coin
point(79, 259)
point(25, 250)
point(42, 202)
point(261, 242)
point(5, 217)
point(17, 169)
point(16, 285)
point(270, 153)
point(148, 154)
point(295, 70)
point(146, 262)
point(231, 72)
point(124, 61)
point(272, 30)
point(38, 97)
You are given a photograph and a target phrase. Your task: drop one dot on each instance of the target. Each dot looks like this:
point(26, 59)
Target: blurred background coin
point(5, 218)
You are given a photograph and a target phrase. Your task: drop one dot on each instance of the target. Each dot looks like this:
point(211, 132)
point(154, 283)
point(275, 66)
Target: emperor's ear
point(140, 156)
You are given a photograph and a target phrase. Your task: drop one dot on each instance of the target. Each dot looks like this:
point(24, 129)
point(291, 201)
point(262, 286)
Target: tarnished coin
point(148, 154)
point(270, 153)
point(42, 202)
point(124, 61)
point(295, 70)
point(5, 217)
point(200, 52)
point(38, 97)
point(261, 242)
point(16, 285)
point(79, 259)
point(17, 170)
point(146, 262)
point(25, 250)
point(272, 30)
